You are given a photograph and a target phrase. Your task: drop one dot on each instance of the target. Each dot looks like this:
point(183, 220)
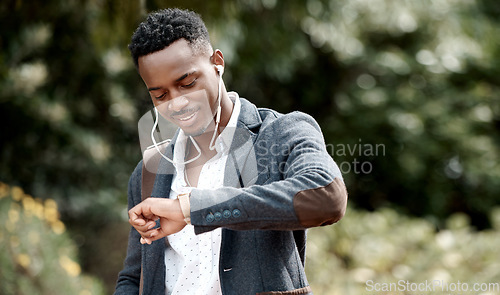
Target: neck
point(204, 139)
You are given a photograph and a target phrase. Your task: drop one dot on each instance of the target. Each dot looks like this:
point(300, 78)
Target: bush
point(387, 247)
point(37, 255)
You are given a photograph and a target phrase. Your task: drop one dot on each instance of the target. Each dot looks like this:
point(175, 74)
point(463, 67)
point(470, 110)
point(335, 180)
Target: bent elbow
point(321, 206)
point(338, 210)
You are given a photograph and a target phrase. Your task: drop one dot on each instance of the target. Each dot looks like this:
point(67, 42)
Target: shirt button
point(236, 213)
point(226, 213)
point(210, 218)
point(217, 216)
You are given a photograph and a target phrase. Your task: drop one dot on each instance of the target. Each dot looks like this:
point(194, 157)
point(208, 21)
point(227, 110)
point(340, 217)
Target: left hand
point(143, 218)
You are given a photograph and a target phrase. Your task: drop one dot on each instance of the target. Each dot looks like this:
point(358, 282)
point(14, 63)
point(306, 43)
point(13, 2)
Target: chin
point(195, 132)
point(198, 131)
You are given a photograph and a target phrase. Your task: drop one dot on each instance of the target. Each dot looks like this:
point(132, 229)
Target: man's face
point(182, 85)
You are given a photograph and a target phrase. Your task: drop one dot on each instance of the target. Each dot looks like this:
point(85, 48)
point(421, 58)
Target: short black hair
point(163, 27)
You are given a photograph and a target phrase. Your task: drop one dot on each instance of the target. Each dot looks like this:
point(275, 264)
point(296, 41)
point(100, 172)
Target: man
point(236, 187)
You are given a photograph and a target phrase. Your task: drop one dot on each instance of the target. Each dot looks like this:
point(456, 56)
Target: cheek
point(201, 99)
point(199, 96)
point(213, 93)
point(162, 109)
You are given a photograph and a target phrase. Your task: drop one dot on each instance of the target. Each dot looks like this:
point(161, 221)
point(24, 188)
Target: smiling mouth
point(187, 117)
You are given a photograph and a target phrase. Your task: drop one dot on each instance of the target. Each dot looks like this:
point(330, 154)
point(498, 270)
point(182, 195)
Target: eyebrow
point(177, 80)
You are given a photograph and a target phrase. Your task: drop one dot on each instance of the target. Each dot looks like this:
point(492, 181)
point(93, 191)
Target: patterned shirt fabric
point(192, 261)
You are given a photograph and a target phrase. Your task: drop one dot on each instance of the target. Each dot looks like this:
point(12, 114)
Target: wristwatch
point(185, 206)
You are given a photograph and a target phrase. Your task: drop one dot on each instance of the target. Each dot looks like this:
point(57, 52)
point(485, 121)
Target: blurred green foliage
point(386, 247)
point(38, 256)
point(418, 78)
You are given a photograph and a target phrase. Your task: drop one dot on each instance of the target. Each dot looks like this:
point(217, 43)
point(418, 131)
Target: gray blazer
point(279, 180)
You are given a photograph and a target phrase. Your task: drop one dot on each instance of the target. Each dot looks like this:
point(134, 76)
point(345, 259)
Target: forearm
point(311, 197)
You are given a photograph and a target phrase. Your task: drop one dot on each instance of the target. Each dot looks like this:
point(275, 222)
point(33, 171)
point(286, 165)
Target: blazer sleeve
point(129, 277)
point(298, 184)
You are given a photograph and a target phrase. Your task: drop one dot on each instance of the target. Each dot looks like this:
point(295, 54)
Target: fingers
point(148, 238)
point(154, 208)
point(168, 227)
point(141, 211)
point(148, 235)
point(144, 229)
point(143, 218)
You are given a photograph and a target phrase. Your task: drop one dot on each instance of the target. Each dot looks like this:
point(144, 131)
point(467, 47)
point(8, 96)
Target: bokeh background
point(407, 94)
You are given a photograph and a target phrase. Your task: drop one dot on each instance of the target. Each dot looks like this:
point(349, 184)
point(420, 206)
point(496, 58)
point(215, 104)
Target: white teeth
point(187, 118)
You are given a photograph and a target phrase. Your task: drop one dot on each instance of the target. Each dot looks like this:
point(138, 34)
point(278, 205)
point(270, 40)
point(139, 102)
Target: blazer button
point(210, 218)
point(217, 216)
point(236, 213)
point(226, 213)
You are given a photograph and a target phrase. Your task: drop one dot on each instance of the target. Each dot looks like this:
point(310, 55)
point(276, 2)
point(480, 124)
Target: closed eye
point(161, 96)
point(190, 84)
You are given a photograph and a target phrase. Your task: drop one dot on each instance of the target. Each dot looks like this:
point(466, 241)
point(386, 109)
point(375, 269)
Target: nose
point(178, 103)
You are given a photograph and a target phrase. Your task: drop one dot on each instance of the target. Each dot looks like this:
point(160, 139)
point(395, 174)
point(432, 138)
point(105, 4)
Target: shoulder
point(291, 122)
point(269, 118)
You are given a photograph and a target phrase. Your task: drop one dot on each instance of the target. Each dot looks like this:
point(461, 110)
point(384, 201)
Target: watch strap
point(185, 206)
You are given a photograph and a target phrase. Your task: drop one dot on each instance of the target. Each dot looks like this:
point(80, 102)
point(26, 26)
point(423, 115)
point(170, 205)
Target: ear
point(217, 58)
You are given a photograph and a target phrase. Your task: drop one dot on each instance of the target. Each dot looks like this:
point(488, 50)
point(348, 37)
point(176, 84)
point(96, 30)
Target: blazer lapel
point(241, 165)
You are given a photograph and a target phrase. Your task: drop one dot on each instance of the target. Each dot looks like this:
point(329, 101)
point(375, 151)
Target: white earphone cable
point(165, 157)
point(211, 146)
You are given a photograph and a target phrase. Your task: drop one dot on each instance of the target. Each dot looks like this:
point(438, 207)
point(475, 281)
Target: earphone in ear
point(220, 69)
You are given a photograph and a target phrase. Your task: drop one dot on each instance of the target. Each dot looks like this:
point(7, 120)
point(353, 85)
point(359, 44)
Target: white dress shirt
point(192, 261)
